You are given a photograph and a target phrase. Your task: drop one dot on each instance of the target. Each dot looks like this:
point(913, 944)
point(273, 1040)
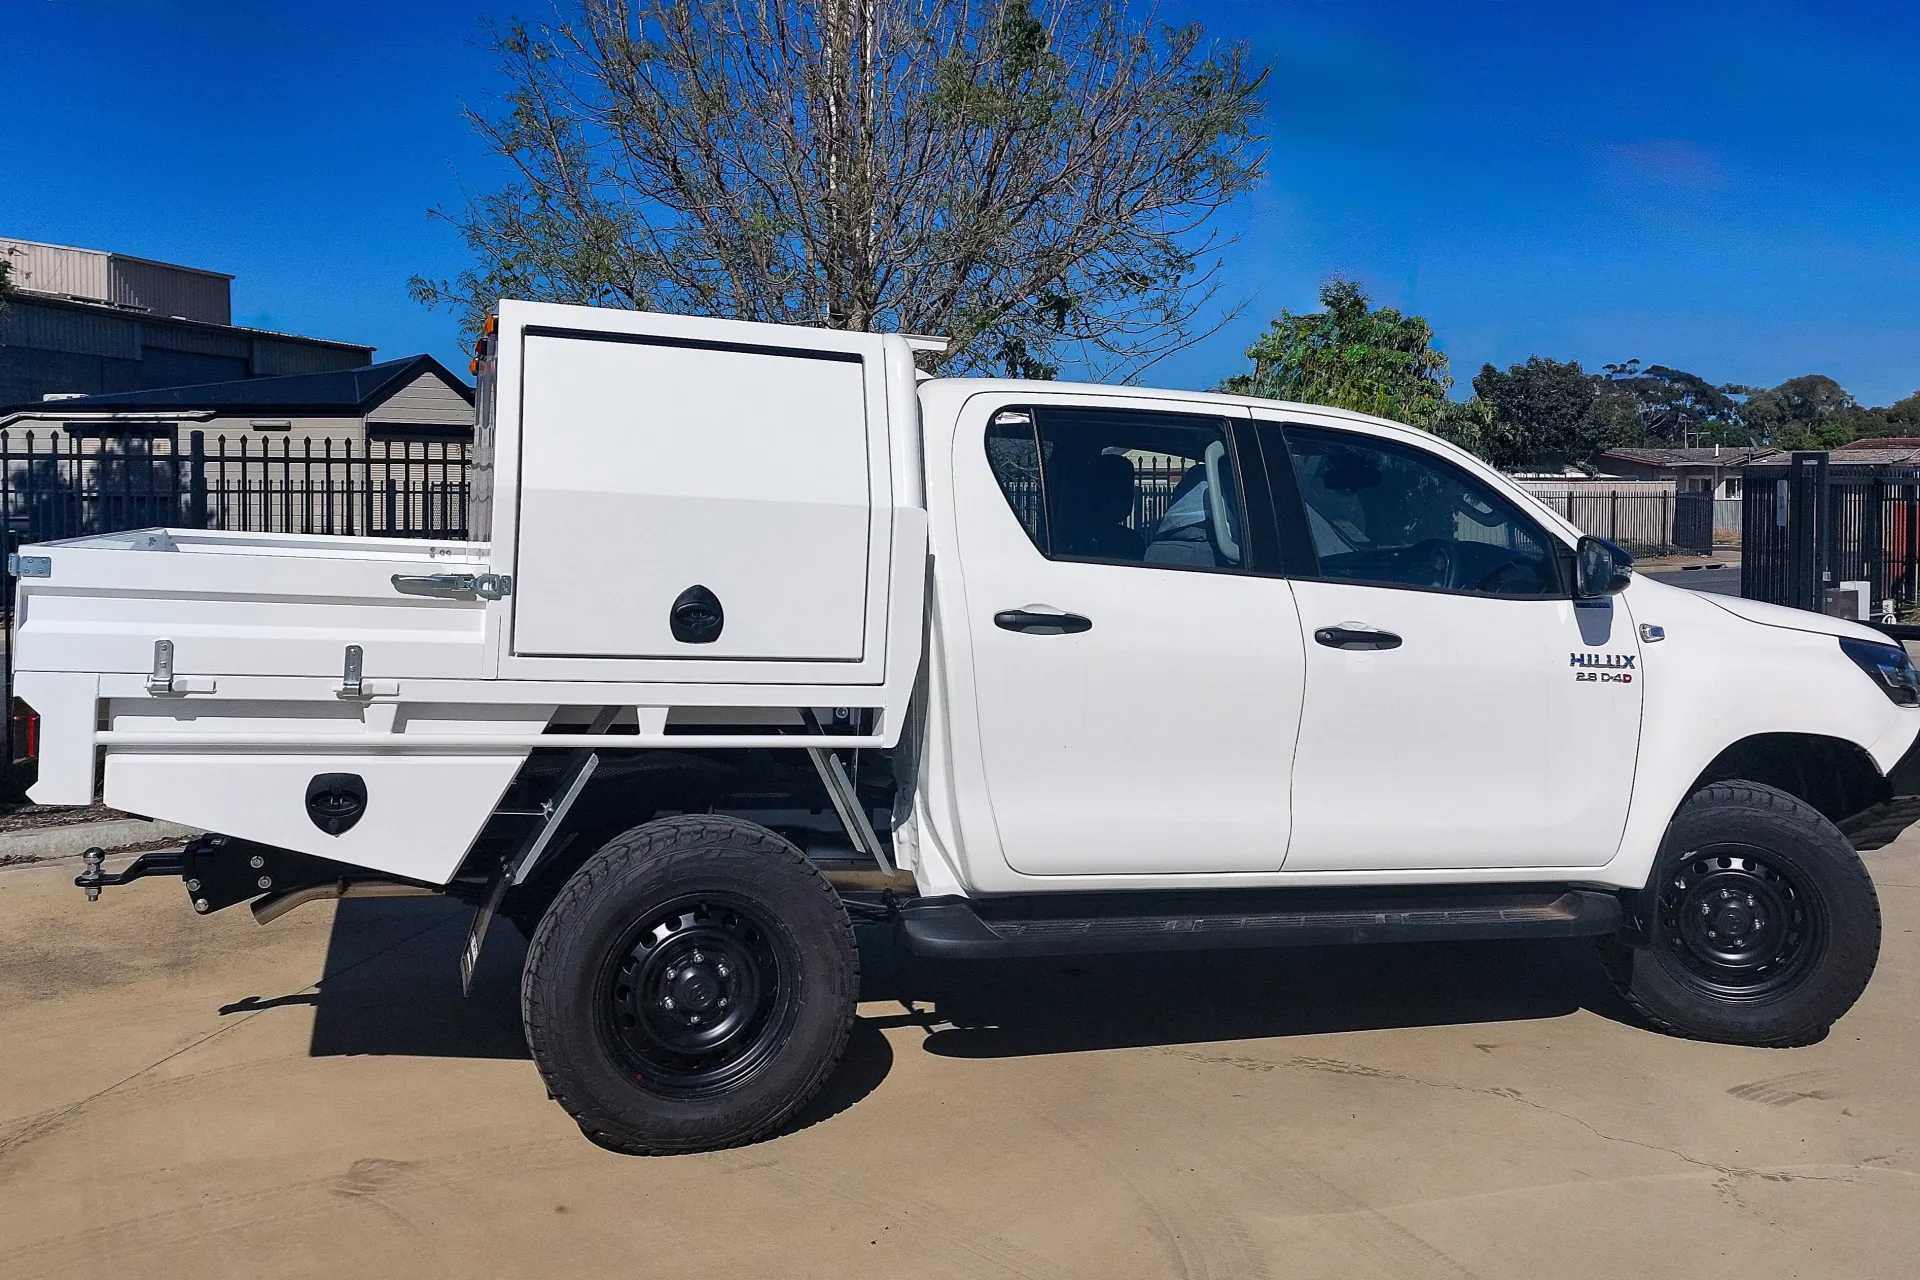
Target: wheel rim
point(698, 994)
point(1737, 924)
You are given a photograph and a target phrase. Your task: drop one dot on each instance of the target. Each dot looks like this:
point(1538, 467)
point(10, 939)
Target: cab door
point(1461, 711)
point(1136, 681)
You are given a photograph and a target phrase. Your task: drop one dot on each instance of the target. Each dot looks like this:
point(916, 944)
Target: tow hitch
point(220, 871)
point(161, 862)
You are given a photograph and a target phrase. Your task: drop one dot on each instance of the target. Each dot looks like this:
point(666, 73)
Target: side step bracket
point(1039, 925)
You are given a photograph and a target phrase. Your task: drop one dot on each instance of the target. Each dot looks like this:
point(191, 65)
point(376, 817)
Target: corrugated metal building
point(86, 322)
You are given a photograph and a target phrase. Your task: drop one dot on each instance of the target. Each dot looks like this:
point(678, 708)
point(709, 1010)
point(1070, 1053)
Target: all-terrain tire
point(1798, 922)
point(672, 932)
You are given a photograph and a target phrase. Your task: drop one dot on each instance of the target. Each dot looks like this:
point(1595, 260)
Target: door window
point(1121, 486)
point(1392, 515)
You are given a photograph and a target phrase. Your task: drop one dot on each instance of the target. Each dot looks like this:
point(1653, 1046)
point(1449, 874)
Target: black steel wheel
point(1761, 923)
point(699, 994)
point(691, 987)
point(1740, 924)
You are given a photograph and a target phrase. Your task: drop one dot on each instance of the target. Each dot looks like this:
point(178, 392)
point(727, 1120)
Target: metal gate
point(1813, 524)
point(1693, 522)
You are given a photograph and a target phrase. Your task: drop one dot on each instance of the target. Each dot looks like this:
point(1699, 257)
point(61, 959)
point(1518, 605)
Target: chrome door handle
point(452, 586)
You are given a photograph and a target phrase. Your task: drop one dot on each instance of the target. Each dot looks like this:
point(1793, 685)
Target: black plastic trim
point(691, 344)
point(1061, 924)
point(1904, 778)
point(1296, 555)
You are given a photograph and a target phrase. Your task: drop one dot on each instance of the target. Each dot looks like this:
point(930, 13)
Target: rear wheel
point(1763, 925)
point(691, 987)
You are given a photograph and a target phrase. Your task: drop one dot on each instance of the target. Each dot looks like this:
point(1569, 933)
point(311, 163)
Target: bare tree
point(1034, 180)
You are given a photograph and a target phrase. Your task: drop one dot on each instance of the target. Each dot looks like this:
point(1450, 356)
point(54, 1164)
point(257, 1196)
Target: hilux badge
point(1608, 668)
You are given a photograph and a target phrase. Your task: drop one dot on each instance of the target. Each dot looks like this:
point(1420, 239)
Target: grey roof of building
point(349, 391)
point(1704, 457)
point(23, 297)
point(1847, 454)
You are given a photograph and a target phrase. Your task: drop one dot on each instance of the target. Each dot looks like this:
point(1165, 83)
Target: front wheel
point(690, 988)
point(1762, 924)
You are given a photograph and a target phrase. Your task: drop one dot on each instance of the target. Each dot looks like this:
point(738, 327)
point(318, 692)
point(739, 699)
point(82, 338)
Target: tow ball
point(161, 862)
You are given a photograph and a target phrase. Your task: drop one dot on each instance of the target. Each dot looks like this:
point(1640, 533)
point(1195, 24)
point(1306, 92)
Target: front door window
point(1381, 512)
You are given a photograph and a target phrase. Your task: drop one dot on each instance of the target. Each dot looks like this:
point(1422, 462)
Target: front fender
point(1717, 678)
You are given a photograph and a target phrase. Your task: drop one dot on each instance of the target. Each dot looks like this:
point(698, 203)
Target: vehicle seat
point(1092, 500)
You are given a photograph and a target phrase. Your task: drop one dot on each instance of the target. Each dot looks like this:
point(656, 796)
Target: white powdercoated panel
point(422, 811)
point(647, 469)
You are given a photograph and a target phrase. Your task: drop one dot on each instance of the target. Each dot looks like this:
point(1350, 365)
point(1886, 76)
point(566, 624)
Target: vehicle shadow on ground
point(995, 1009)
point(392, 986)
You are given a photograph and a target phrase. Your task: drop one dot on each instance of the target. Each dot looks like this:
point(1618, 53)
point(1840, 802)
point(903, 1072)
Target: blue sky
point(1732, 188)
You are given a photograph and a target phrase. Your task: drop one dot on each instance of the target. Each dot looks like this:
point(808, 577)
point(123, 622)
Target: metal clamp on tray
point(454, 586)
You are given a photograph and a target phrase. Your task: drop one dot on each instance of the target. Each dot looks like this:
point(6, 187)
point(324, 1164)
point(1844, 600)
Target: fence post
point(197, 479)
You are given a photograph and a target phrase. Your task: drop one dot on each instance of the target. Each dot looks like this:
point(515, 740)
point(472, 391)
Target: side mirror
point(1600, 569)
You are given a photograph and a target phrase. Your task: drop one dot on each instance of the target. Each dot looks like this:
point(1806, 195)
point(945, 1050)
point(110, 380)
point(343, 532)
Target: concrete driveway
point(206, 1098)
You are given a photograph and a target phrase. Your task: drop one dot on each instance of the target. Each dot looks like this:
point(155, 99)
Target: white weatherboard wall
point(649, 468)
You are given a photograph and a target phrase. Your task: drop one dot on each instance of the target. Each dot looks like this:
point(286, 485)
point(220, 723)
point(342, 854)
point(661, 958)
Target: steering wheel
point(1437, 558)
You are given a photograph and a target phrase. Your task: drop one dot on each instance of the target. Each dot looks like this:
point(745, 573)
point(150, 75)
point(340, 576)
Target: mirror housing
point(1600, 568)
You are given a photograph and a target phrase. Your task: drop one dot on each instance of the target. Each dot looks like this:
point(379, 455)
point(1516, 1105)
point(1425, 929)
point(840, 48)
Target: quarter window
point(1387, 513)
point(1121, 486)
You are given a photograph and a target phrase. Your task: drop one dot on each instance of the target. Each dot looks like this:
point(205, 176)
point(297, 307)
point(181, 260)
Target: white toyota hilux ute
point(1065, 668)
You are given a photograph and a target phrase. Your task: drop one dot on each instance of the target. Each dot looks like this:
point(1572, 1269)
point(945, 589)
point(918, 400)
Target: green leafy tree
point(1679, 408)
point(1902, 417)
point(1809, 412)
point(1470, 424)
point(1352, 355)
point(1552, 412)
point(1034, 179)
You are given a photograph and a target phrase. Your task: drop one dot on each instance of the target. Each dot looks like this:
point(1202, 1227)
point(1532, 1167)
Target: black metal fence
point(63, 485)
point(1154, 480)
point(1811, 525)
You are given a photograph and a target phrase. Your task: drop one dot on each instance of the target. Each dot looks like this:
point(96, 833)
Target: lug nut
point(721, 969)
point(666, 1002)
point(193, 886)
point(202, 906)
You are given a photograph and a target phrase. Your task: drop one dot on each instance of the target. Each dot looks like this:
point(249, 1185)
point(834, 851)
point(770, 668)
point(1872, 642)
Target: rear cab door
point(1135, 662)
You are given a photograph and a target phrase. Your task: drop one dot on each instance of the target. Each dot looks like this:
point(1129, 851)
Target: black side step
point(1040, 925)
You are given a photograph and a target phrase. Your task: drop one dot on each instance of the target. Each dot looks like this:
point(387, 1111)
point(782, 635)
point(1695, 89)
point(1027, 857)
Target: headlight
point(1890, 668)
